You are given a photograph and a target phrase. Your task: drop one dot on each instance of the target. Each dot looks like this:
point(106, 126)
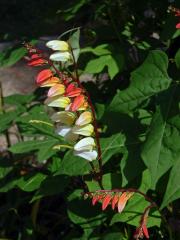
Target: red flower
point(36, 60)
point(114, 201)
point(72, 91)
point(178, 25)
point(77, 103)
point(123, 200)
point(96, 198)
point(106, 201)
point(142, 230)
point(43, 76)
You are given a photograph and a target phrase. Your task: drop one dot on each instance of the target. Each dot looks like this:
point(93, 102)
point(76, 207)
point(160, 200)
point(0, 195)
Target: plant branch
point(94, 118)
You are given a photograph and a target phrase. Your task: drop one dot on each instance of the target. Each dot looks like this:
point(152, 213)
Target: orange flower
point(114, 201)
point(77, 103)
point(178, 26)
point(96, 198)
point(36, 60)
point(123, 200)
point(106, 201)
point(44, 75)
point(72, 91)
point(142, 230)
point(50, 82)
point(56, 90)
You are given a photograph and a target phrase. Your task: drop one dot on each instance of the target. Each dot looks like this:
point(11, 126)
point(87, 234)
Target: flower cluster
point(142, 230)
point(118, 200)
point(115, 199)
point(74, 117)
point(176, 11)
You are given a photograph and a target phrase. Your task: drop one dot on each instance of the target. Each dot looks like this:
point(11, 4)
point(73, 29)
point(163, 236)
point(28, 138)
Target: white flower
point(64, 117)
point(85, 144)
point(84, 118)
point(57, 101)
point(62, 49)
point(61, 56)
point(65, 131)
point(84, 149)
point(85, 130)
point(58, 45)
point(88, 155)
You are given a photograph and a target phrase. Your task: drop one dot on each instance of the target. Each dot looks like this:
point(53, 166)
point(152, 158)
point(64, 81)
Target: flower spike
point(73, 119)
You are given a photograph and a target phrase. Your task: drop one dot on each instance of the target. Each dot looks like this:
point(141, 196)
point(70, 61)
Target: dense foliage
point(129, 51)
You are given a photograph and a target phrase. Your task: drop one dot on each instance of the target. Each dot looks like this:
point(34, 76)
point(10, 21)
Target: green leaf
point(14, 56)
point(113, 63)
point(177, 58)
point(111, 145)
point(133, 211)
point(114, 236)
point(36, 121)
point(73, 166)
point(28, 146)
point(149, 79)
point(44, 148)
point(100, 109)
point(173, 188)
point(74, 43)
point(7, 118)
point(71, 12)
point(98, 51)
point(54, 165)
point(109, 181)
point(30, 183)
point(131, 164)
point(80, 212)
point(52, 185)
point(6, 165)
point(162, 148)
point(18, 99)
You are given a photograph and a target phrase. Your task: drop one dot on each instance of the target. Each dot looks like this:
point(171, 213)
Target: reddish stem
point(130, 190)
point(59, 73)
point(94, 119)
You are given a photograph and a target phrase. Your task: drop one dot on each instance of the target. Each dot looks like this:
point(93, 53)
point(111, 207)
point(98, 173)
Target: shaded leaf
point(161, 148)
point(111, 145)
point(149, 79)
point(52, 185)
point(73, 166)
point(30, 183)
point(173, 189)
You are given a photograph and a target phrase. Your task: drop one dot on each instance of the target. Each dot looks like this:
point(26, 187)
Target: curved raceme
point(74, 118)
point(117, 200)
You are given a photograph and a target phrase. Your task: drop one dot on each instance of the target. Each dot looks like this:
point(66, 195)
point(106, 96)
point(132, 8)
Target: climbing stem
point(99, 177)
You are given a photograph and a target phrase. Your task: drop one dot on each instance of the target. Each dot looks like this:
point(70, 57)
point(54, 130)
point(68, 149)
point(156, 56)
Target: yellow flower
point(58, 45)
point(64, 117)
point(85, 130)
point(56, 90)
point(84, 118)
point(62, 53)
point(57, 101)
point(61, 56)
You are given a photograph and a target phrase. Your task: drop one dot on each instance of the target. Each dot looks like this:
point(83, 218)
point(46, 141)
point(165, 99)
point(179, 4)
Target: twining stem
point(94, 117)
point(34, 212)
point(131, 190)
